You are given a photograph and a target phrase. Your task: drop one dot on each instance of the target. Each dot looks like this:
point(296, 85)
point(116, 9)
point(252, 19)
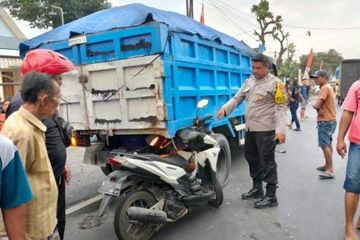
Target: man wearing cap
point(326, 121)
point(265, 124)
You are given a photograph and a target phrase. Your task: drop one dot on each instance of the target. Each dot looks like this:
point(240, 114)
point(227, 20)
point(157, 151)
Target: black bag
point(65, 129)
point(295, 94)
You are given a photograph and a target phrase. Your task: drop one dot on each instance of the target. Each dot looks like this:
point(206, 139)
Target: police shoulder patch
point(280, 93)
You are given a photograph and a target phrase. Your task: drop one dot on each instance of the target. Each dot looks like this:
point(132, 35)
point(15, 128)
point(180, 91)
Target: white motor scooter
point(152, 190)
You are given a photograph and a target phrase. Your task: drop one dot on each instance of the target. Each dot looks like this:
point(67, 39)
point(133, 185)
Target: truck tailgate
point(117, 95)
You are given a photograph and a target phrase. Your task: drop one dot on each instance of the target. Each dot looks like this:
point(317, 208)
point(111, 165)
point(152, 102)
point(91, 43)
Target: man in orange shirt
point(326, 121)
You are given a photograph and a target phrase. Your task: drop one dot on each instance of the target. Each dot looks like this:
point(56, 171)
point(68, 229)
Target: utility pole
point(61, 13)
point(190, 8)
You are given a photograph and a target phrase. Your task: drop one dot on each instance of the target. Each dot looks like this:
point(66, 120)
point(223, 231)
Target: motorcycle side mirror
point(202, 103)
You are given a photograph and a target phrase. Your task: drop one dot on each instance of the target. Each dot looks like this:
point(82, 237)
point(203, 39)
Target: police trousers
point(260, 154)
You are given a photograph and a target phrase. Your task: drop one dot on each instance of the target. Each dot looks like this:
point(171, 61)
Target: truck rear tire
point(223, 167)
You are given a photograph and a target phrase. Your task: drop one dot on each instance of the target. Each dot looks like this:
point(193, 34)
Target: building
point(10, 38)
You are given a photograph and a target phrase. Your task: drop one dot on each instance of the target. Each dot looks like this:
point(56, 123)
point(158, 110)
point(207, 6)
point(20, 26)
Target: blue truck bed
point(146, 75)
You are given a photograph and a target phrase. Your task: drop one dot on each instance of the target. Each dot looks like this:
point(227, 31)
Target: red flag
point(202, 18)
point(309, 62)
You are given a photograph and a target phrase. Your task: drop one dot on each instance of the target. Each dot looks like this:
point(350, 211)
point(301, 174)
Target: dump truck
point(141, 73)
point(349, 73)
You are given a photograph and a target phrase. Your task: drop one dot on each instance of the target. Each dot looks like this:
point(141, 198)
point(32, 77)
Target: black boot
point(269, 200)
point(256, 192)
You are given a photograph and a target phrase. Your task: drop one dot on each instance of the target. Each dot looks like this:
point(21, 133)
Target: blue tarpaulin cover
point(129, 16)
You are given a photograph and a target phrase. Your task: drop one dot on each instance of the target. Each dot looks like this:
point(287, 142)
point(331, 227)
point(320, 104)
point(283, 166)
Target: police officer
point(265, 125)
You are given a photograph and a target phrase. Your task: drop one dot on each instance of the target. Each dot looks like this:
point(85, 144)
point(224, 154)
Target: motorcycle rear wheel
point(129, 230)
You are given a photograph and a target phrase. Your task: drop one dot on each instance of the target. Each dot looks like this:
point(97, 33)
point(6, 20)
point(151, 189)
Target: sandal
point(326, 175)
point(321, 168)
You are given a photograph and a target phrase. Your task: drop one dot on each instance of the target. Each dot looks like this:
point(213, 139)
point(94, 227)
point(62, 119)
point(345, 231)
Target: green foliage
point(291, 51)
point(38, 12)
point(289, 68)
point(268, 23)
point(331, 59)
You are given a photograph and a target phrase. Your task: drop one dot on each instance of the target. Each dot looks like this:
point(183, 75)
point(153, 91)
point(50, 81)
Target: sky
point(332, 23)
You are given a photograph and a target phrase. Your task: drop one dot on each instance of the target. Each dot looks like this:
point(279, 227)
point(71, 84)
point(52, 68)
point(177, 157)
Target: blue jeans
point(352, 179)
point(294, 118)
point(325, 132)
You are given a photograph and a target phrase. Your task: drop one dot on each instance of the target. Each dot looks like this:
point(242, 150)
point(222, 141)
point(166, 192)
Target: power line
point(222, 16)
point(231, 8)
point(242, 33)
point(236, 15)
point(237, 11)
point(230, 19)
point(322, 28)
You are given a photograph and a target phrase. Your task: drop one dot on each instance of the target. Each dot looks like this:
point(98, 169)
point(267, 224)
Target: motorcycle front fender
point(211, 155)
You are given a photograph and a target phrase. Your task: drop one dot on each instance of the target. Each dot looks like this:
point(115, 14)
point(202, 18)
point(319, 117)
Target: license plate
point(110, 187)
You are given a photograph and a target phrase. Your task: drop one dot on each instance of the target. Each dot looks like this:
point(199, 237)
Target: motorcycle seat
point(176, 160)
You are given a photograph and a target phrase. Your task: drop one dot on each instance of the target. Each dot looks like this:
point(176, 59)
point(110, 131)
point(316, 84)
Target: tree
point(331, 60)
point(289, 68)
point(268, 23)
point(291, 51)
point(38, 12)
point(281, 37)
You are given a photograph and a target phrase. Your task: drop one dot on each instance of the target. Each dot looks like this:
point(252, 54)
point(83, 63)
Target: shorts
point(54, 236)
point(303, 104)
point(352, 178)
point(325, 132)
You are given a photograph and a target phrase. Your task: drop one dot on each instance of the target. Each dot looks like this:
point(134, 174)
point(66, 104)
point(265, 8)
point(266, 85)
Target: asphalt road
point(309, 208)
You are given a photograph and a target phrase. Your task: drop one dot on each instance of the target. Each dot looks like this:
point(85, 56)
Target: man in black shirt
point(295, 98)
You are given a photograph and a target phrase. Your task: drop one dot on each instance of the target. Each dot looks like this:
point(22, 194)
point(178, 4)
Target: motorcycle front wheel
point(223, 166)
point(126, 229)
point(218, 198)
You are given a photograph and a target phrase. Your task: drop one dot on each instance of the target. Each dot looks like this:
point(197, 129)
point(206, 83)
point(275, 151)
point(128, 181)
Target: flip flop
point(326, 175)
point(321, 168)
